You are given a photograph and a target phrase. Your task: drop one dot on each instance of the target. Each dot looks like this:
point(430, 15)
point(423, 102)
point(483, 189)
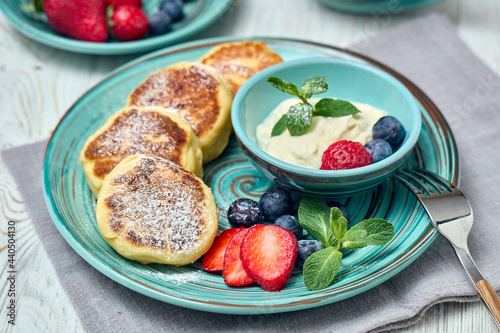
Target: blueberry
point(343, 209)
point(159, 23)
point(290, 223)
point(389, 129)
point(173, 8)
point(244, 213)
point(379, 149)
point(306, 248)
point(274, 203)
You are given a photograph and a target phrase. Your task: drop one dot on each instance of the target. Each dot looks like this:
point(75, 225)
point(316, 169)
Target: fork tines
point(424, 182)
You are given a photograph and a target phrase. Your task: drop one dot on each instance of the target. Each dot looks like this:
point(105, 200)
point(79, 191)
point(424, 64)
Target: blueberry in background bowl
point(351, 81)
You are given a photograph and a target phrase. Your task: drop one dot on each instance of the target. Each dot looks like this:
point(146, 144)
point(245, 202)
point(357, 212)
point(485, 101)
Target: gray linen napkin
point(428, 52)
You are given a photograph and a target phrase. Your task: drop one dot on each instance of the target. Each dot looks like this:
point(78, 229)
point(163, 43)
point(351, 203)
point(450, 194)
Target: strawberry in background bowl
point(90, 20)
point(127, 22)
point(196, 16)
point(78, 19)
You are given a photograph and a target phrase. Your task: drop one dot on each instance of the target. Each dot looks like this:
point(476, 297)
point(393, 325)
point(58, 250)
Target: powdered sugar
point(162, 205)
point(190, 91)
point(162, 87)
point(180, 278)
point(136, 132)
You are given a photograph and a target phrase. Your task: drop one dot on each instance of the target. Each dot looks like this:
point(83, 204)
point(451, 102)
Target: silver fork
point(451, 214)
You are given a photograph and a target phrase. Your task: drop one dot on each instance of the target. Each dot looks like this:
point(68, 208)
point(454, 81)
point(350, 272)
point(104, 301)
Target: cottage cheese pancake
point(238, 61)
point(130, 131)
point(153, 211)
point(196, 93)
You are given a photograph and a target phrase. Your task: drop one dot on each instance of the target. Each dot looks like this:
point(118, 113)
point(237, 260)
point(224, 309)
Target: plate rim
point(213, 12)
point(219, 307)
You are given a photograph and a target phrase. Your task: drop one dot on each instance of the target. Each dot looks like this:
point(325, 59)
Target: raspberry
point(345, 154)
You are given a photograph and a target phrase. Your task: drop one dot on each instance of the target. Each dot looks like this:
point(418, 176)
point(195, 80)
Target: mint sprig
point(314, 216)
point(298, 119)
point(324, 263)
point(328, 226)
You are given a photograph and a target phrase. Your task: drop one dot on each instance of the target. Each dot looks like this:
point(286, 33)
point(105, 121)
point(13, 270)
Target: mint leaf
point(338, 223)
point(354, 239)
point(321, 267)
point(329, 107)
point(368, 232)
point(314, 216)
point(280, 126)
point(285, 86)
point(299, 118)
point(313, 86)
point(38, 6)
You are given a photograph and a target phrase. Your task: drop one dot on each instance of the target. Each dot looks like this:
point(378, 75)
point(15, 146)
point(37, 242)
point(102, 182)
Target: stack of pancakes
point(146, 162)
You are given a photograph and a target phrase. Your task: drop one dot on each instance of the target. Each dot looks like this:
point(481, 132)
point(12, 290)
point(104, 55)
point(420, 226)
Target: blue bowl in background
point(198, 15)
point(347, 80)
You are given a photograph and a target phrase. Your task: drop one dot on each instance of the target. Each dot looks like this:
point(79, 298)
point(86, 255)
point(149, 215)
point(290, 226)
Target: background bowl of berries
point(375, 120)
point(110, 27)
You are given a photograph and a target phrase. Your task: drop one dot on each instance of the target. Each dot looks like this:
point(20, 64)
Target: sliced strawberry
point(234, 274)
point(213, 260)
point(268, 254)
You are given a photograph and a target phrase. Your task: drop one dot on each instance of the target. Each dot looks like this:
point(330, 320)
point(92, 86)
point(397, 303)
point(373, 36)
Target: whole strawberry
point(345, 154)
point(79, 19)
point(128, 22)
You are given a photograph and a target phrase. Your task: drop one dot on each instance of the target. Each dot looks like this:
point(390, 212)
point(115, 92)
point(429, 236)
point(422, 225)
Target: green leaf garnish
point(285, 86)
point(314, 216)
point(321, 267)
point(338, 223)
point(299, 118)
point(369, 232)
point(329, 107)
point(38, 6)
point(313, 86)
point(328, 226)
point(280, 126)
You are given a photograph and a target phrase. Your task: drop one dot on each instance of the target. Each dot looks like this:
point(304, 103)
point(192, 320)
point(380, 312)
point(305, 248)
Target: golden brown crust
point(130, 131)
point(191, 91)
point(136, 132)
point(196, 93)
point(238, 61)
point(144, 184)
point(153, 211)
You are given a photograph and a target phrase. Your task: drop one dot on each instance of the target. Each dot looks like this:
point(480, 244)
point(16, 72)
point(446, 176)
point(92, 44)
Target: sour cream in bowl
point(292, 162)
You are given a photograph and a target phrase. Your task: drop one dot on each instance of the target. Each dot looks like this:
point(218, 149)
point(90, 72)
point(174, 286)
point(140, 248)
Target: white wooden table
point(38, 83)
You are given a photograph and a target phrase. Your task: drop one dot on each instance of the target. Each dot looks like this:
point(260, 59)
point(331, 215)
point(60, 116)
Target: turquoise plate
point(378, 7)
point(231, 176)
point(198, 15)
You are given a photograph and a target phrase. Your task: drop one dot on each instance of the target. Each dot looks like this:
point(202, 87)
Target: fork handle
point(482, 287)
point(490, 297)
